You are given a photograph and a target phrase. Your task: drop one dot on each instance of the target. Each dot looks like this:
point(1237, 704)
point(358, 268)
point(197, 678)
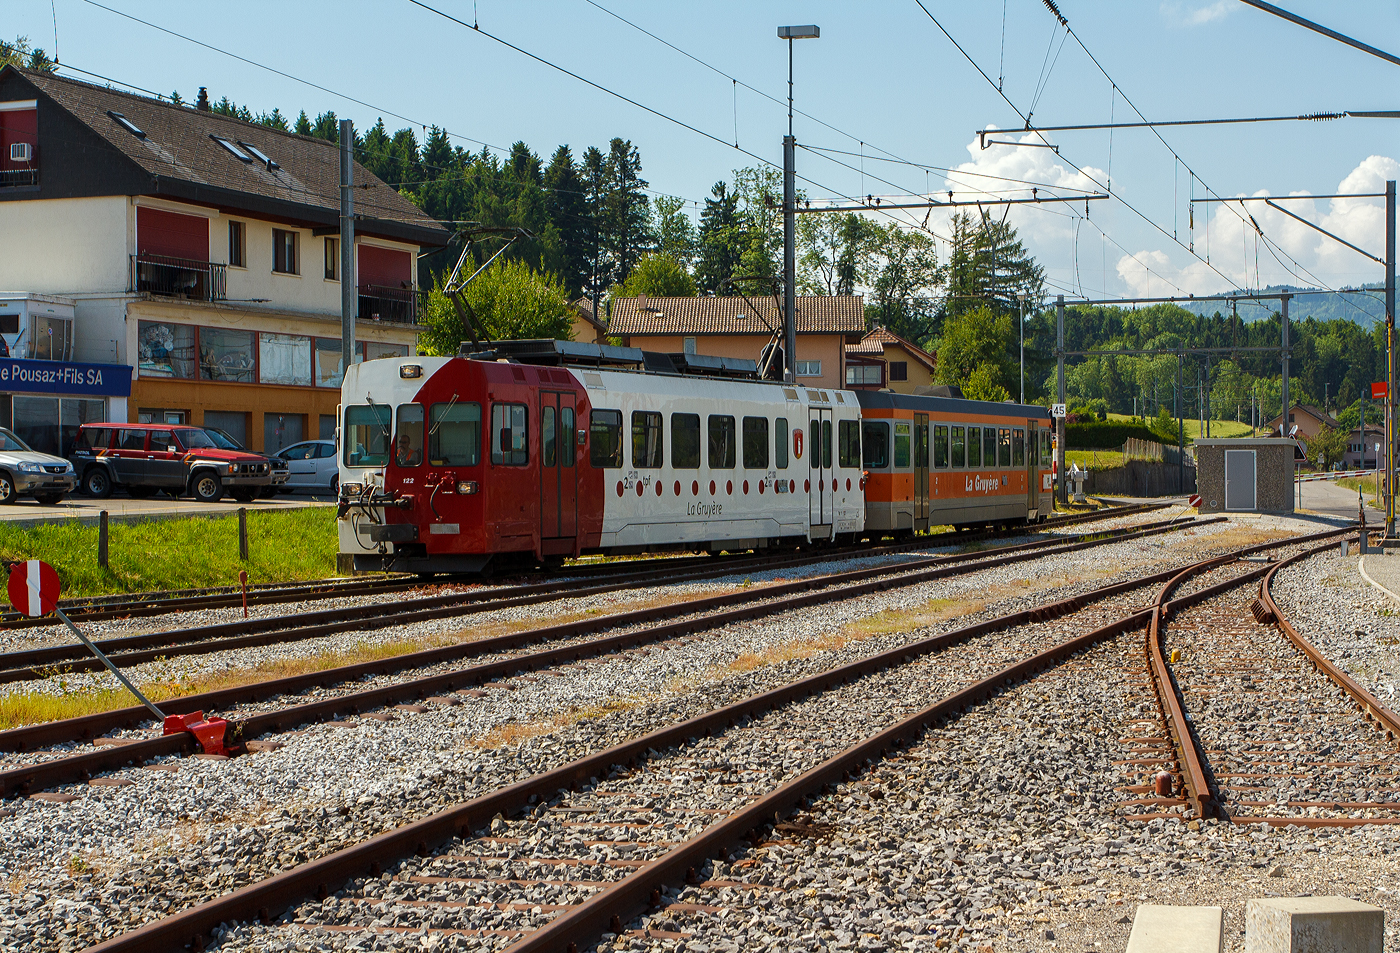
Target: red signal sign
point(1380, 390)
point(34, 587)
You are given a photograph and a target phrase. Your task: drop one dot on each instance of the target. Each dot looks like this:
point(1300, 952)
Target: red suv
point(145, 458)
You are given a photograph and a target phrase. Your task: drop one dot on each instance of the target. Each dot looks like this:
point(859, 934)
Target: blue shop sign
point(65, 377)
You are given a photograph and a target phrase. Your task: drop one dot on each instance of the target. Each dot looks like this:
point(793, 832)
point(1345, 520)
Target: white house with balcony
point(200, 252)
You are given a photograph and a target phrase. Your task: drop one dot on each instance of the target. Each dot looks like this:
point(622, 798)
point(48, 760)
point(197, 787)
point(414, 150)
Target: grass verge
point(180, 553)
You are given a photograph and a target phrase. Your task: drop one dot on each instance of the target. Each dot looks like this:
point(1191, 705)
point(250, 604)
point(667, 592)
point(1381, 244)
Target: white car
point(311, 465)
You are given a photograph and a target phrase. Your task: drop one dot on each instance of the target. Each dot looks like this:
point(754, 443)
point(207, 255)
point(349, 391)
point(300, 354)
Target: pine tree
point(568, 210)
point(625, 207)
point(721, 241)
point(303, 126)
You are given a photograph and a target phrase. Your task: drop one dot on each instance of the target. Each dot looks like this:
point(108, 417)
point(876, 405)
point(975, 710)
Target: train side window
point(940, 446)
point(1046, 450)
point(1004, 447)
point(780, 443)
point(814, 457)
point(959, 449)
point(921, 445)
point(974, 446)
point(566, 436)
point(989, 446)
point(826, 444)
point(508, 433)
point(1033, 448)
point(365, 432)
point(605, 438)
point(875, 445)
point(1018, 448)
point(849, 447)
point(901, 445)
point(755, 443)
point(721, 442)
point(646, 439)
point(548, 447)
point(685, 441)
point(454, 435)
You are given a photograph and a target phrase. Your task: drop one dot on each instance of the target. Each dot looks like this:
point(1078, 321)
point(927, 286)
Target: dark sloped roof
point(178, 150)
point(815, 314)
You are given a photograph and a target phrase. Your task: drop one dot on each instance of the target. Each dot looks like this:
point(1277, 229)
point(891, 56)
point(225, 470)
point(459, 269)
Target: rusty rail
point(270, 898)
point(27, 779)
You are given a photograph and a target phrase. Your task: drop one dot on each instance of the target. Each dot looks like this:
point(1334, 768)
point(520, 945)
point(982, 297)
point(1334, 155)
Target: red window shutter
point(18, 125)
point(385, 267)
point(169, 233)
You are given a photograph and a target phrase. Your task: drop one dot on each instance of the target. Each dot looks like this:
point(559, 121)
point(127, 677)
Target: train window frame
point(519, 453)
point(720, 433)
point(605, 439)
point(974, 448)
point(1033, 447)
point(755, 439)
point(372, 419)
point(940, 446)
point(1003, 447)
point(681, 439)
point(875, 436)
point(568, 449)
point(1018, 447)
point(447, 413)
point(549, 437)
point(645, 423)
point(814, 430)
point(903, 448)
point(780, 443)
point(826, 444)
point(921, 445)
point(1047, 448)
point(989, 447)
point(957, 447)
point(848, 444)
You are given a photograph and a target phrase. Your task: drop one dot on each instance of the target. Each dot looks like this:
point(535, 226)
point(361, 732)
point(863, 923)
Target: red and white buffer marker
point(34, 589)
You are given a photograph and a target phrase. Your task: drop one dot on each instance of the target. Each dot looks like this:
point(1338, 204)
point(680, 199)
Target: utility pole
point(1021, 301)
point(1287, 404)
point(1200, 401)
point(791, 33)
point(1062, 487)
point(1180, 431)
point(1390, 358)
point(349, 297)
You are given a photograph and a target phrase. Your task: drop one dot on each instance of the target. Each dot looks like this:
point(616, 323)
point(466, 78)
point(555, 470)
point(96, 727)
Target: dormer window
point(259, 155)
point(233, 149)
point(126, 124)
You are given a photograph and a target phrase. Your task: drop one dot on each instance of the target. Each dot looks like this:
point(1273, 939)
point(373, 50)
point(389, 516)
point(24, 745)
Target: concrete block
point(1162, 929)
point(1313, 925)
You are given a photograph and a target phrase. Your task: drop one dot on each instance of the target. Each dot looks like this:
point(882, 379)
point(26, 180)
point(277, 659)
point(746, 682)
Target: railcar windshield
point(454, 435)
point(408, 442)
point(366, 435)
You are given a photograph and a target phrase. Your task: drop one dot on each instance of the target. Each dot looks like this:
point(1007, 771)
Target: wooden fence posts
point(243, 533)
point(102, 539)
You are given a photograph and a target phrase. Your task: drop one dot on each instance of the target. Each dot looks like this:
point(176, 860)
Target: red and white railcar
point(460, 464)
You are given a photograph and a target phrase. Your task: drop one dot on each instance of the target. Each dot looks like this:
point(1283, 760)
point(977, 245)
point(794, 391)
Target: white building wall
point(65, 246)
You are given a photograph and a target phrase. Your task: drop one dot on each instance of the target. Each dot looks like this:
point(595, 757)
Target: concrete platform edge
point(1361, 567)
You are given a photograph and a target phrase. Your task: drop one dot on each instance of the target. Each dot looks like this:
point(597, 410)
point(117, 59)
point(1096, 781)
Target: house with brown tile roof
point(885, 361)
point(739, 327)
point(202, 256)
point(585, 326)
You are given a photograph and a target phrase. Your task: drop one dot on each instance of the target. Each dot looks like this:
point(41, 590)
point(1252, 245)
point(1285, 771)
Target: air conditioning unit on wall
point(21, 152)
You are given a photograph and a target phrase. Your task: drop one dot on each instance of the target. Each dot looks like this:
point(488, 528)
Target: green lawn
point(181, 553)
point(1094, 459)
point(1192, 426)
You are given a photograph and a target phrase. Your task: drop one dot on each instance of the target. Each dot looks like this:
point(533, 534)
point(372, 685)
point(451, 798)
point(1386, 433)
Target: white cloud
point(1227, 236)
point(1189, 15)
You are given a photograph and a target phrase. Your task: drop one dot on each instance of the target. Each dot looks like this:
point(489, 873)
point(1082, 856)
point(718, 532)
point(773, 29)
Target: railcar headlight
point(410, 371)
point(351, 489)
point(467, 487)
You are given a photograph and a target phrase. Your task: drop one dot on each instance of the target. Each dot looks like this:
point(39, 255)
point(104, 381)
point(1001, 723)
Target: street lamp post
point(791, 33)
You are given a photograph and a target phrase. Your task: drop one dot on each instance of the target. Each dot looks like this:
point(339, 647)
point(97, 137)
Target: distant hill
point(1364, 309)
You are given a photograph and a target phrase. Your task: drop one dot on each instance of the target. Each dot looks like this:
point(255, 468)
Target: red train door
point(558, 470)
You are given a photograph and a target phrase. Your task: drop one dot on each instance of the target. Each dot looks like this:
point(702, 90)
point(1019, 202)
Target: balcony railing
point(13, 178)
point(394, 305)
point(179, 277)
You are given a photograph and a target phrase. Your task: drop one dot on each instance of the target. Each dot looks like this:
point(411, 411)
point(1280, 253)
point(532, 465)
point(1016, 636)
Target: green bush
point(1106, 434)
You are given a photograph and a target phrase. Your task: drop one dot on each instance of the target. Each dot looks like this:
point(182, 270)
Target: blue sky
point(881, 74)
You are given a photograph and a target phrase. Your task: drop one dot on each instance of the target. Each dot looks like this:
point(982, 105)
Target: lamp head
point(808, 32)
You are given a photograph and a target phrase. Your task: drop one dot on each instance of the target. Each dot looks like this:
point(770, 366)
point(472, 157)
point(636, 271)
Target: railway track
point(567, 643)
point(1261, 728)
point(164, 602)
point(559, 859)
point(42, 662)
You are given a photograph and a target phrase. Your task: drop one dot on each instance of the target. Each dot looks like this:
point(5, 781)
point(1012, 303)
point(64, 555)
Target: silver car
point(27, 472)
point(312, 466)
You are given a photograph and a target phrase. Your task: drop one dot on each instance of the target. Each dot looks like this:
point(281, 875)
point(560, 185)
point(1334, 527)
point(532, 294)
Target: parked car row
point(144, 459)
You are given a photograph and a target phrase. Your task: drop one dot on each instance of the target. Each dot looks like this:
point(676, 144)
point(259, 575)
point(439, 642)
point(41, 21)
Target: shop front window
point(284, 359)
point(36, 422)
point(75, 412)
point(165, 350)
point(226, 355)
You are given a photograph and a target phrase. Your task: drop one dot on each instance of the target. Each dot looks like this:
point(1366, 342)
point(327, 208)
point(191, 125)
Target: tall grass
point(184, 553)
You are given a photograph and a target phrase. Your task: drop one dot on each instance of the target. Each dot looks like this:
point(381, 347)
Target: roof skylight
point(126, 124)
point(259, 154)
point(234, 150)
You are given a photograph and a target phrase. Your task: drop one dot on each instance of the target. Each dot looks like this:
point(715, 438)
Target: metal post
point(1021, 301)
point(1180, 431)
point(790, 252)
point(110, 667)
point(349, 296)
point(1283, 395)
point(1390, 357)
point(102, 539)
point(1062, 487)
point(1200, 402)
point(243, 534)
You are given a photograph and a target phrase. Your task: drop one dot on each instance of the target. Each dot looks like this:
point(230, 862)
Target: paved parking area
point(28, 512)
